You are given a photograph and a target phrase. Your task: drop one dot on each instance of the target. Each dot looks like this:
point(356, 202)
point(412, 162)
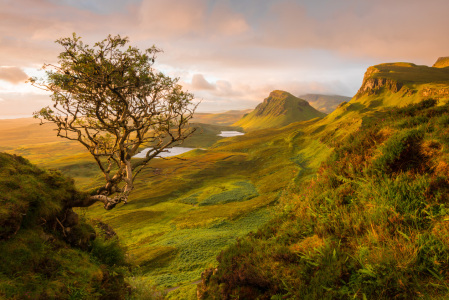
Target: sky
point(229, 53)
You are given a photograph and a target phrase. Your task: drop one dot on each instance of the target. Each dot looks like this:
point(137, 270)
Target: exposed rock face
point(442, 62)
point(373, 85)
point(435, 93)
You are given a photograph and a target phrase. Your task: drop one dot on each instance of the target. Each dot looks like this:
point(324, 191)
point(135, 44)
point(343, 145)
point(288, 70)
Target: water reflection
point(170, 152)
point(230, 133)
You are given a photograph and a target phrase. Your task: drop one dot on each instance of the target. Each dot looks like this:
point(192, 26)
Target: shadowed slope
point(47, 251)
point(324, 103)
point(225, 118)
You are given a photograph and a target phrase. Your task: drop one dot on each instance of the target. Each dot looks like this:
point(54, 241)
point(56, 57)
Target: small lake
point(180, 150)
point(230, 133)
point(169, 152)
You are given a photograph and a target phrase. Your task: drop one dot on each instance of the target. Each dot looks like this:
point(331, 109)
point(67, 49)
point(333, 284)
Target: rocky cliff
point(408, 79)
point(373, 84)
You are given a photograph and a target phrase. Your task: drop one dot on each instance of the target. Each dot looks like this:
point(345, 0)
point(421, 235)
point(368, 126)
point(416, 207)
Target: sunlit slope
point(185, 211)
point(342, 233)
point(279, 109)
point(442, 62)
point(384, 86)
point(399, 84)
point(372, 224)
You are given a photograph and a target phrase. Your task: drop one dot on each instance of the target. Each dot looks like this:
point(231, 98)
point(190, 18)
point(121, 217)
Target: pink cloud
point(171, 17)
point(383, 29)
point(188, 19)
point(252, 46)
point(200, 83)
point(13, 75)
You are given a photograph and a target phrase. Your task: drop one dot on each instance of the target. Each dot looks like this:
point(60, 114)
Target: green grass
point(240, 191)
point(184, 212)
point(360, 216)
point(412, 74)
point(39, 259)
point(372, 224)
point(279, 109)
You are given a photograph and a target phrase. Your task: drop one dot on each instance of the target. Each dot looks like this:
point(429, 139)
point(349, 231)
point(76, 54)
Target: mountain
point(351, 205)
point(279, 109)
point(372, 221)
point(398, 84)
point(324, 103)
point(224, 118)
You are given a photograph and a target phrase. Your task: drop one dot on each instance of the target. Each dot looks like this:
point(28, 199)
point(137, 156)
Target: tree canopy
point(110, 99)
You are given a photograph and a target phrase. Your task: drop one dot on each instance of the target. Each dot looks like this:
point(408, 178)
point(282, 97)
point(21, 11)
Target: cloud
point(199, 83)
point(248, 47)
point(189, 19)
point(382, 29)
point(13, 75)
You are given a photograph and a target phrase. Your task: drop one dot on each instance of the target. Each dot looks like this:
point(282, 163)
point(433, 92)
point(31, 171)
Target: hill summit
point(399, 84)
point(442, 62)
point(279, 109)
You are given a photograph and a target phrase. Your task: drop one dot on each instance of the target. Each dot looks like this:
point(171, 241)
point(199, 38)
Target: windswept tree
point(110, 99)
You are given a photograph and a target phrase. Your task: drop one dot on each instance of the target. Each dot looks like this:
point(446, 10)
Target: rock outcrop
point(373, 85)
point(435, 92)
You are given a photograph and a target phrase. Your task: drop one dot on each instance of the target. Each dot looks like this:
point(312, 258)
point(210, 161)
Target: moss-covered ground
point(43, 255)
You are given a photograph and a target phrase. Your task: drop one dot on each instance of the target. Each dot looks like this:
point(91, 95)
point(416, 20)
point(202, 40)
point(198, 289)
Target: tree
point(111, 100)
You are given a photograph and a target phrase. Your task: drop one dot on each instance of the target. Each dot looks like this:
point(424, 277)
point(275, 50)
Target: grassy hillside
point(279, 109)
point(403, 81)
point(371, 224)
point(324, 103)
point(184, 212)
point(47, 251)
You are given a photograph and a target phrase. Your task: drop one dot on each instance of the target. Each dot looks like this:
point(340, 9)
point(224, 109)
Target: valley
point(291, 198)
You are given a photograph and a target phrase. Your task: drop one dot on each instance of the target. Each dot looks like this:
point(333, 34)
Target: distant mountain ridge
point(325, 103)
point(220, 118)
point(280, 108)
